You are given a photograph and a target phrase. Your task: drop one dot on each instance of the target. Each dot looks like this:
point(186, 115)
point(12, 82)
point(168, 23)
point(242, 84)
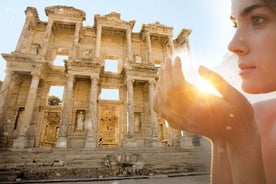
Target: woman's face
point(255, 44)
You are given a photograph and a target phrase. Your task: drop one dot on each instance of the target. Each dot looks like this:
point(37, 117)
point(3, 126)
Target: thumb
point(228, 92)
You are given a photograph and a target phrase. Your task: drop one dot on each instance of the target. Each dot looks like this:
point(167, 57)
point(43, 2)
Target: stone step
point(9, 175)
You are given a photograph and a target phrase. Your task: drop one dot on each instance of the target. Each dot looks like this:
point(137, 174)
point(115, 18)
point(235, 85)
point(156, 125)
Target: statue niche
point(80, 119)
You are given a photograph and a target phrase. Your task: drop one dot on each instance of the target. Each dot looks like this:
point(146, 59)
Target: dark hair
point(272, 4)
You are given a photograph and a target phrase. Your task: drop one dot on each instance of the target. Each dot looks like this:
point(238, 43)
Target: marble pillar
point(149, 51)
point(153, 116)
point(171, 45)
point(98, 41)
point(76, 40)
point(4, 92)
point(186, 140)
point(66, 112)
point(92, 121)
point(25, 31)
point(130, 142)
point(21, 141)
point(129, 50)
point(130, 109)
point(47, 36)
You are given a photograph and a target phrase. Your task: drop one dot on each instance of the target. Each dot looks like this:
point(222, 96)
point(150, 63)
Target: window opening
point(111, 65)
point(55, 95)
point(59, 61)
point(109, 94)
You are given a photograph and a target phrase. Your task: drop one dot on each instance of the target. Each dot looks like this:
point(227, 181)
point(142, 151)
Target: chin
point(253, 89)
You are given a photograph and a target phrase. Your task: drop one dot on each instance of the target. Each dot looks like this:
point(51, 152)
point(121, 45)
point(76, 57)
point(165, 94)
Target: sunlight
point(206, 87)
point(192, 76)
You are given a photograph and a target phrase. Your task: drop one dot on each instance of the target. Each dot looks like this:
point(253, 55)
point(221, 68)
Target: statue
point(80, 120)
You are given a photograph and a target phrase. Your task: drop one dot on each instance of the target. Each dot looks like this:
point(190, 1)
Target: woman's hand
point(186, 107)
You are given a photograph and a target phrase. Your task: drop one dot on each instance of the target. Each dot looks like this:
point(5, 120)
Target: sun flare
point(206, 87)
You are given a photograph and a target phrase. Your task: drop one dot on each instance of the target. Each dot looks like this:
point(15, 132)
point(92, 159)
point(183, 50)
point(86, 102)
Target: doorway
point(109, 125)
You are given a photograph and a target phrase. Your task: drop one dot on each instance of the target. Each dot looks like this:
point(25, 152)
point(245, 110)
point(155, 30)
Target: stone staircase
point(54, 163)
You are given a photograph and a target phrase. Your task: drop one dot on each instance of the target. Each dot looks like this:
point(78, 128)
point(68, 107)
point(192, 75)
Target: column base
point(61, 142)
point(90, 143)
point(156, 142)
point(186, 142)
point(20, 142)
point(130, 143)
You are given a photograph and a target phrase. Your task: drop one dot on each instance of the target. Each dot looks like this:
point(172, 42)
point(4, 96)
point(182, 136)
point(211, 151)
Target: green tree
point(54, 100)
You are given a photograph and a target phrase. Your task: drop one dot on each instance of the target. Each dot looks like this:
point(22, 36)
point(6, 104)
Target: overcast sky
point(208, 19)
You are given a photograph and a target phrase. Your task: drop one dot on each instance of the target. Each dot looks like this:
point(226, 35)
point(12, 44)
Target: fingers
point(228, 92)
point(155, 101)
point(177, 74)
point(167, 75)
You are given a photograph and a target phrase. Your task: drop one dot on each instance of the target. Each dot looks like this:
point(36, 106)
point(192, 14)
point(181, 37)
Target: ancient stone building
point(84, 119)
point(85, 130)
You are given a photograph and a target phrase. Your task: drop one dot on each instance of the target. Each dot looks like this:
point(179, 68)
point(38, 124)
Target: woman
point(243, 135)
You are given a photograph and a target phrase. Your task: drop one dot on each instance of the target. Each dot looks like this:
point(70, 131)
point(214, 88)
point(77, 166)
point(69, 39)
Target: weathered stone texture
point(26, 118)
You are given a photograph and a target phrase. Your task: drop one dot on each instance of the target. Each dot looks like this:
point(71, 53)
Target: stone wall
point(85, 123)
point(84, 119)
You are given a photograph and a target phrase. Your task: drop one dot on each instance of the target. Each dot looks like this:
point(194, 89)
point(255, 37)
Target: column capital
point(152, 81)
point(147, 33)
point(70, 75)
point(96, 77)
point(130, 80)
point(36, 74)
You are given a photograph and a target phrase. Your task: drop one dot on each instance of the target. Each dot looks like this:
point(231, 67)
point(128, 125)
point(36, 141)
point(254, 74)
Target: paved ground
point(201, 179)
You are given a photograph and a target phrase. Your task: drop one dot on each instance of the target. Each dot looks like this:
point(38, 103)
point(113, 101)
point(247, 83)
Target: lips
point(246, 69)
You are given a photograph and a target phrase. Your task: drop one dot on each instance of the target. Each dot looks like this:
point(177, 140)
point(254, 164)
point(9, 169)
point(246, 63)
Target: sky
point(208, 19)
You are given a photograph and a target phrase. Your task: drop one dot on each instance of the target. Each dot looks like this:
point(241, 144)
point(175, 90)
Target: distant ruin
point(84, 120)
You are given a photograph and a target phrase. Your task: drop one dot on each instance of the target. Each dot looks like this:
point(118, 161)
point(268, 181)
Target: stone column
point(66, 112)
point(22, 141)
point(149, 47)
point(76, 40)
point(186, 140)
point(130, 142)
point(130, 109)
point(98, 41)
point(25, 32)
point(187, 48)
point(171, 45)
point(46, 39)
point(187, 43)
point(129, 51)
point(4, 89)
point(92, 122)
point(153, 116)
point(4, 92)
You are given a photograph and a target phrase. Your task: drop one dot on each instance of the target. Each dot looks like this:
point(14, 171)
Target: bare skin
point(243, 135)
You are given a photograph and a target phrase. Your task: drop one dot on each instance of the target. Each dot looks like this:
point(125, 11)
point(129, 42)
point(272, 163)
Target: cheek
point(265, 54)
point(264, 80)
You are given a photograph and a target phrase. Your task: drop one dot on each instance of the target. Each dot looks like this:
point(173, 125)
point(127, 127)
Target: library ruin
point(105, 58)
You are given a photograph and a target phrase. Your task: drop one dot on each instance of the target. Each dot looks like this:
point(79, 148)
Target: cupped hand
point(187, 108)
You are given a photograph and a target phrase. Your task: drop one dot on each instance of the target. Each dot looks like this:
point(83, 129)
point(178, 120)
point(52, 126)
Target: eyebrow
point(249, 9)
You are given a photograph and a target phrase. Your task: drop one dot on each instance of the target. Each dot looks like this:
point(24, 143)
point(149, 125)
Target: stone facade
point(83, 119)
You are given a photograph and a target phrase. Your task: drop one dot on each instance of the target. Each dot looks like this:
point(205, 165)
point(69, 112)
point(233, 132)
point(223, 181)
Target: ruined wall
point(83, 119)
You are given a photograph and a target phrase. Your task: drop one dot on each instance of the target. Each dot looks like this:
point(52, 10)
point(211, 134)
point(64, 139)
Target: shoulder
point(265, 112)
point(265, 106)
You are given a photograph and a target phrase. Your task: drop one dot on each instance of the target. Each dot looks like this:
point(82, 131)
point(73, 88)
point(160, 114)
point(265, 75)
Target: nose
point(238, 45)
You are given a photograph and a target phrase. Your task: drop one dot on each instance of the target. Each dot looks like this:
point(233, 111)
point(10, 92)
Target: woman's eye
point(257, 20)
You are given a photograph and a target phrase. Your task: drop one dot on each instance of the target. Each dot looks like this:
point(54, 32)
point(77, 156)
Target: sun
point(206, 87)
